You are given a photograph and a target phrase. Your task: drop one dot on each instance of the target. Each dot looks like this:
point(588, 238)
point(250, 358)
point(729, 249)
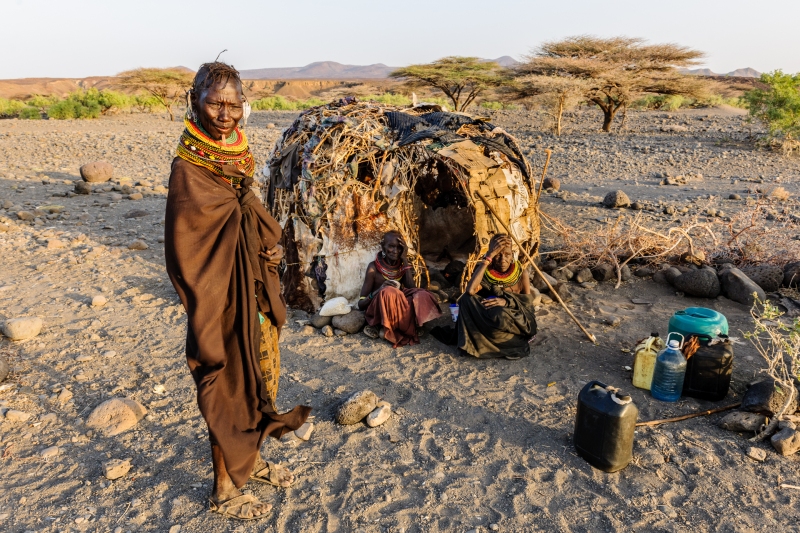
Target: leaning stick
point(544, 171)
point(684, 417)
point(533, 264)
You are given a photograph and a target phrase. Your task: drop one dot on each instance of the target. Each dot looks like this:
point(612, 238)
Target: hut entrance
point(345, 173)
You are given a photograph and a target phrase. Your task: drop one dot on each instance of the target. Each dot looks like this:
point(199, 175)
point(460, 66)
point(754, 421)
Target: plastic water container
point(708, 370)
point(644, 360)
point(698, 321)
point(604, 426)
point(669, 372)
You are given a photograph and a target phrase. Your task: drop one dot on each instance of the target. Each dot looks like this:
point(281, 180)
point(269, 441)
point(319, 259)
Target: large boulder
point(352, 322)
point(23, 328)
point(116, 415)
point(736, 286)
point(616, 199)
point(703, 283)
point(791, 274)
point(97, 172)
point(671, 274)
point(319, 321)
point(356, 407)
point(766, 398)
point(768, 277)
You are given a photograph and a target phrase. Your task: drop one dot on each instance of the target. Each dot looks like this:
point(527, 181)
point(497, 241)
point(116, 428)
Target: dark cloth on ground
point(212, 236)
point(400, 312)
point(496, 331)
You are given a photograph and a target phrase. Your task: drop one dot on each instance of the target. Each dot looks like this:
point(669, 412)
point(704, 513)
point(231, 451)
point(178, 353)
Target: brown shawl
point(212, 236)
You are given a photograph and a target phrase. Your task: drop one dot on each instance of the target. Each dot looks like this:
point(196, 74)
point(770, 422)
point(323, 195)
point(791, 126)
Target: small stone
point(563, 274)
point(327, 331)
point(136, 213)
point(356, 407)
point(637, 206)
point(702, 283)
point(304, 432)
point(64, 396)
point(116, 468)
point(738, 287)
point(138, 244)
point(379, 415)
point(23, 328)
point(669, 210)
point(81, 187)
point(12, 415)
point(786, 441)
point(616, 199)
point(494, 527)
point(584, 275)
point(742, 421)
point(96, 172)
point(612, 321)
point(766, 398)
point(352, 322)
point(57, 244)
point(643, 272)
point(25, 215)
point(175, 529)
point(49, 418)
point(756, 454)
point(668, 510)
point(339, 332)
point(562, 289)
point(551, 183)
point(604, 272)
point(549, 265)
point(116, 415)
point(49, 453)
point(99, 301)
point(734, 196)
point(135, 196)
point(545, 301)
point(308, 330)
point(319, 321)
point(114, 197)
point(4, 369)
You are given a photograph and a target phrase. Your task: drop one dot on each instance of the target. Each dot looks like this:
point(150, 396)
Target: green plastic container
point(698, 321)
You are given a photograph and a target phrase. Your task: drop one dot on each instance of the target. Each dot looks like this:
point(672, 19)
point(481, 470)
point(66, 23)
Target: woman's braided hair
point(211, 74)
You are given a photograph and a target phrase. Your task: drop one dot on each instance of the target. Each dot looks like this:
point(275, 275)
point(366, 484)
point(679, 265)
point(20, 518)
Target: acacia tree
point(612, 72)
point(557, 94)
point(168, 86)
point(461, 79)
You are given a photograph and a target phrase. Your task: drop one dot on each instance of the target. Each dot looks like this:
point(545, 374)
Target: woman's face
point(392, 247)
point(503, 259)
point(219, 109)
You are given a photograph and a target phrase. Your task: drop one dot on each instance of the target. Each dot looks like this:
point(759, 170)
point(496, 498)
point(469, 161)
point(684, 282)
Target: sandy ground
point(472, 446)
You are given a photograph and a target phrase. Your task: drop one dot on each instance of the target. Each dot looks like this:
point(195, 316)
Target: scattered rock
point(643, 272)
point(538, 281)
point(766, 398)
point(604, 272)
point(756, 454)
point(138, 244)
point(584, 275)
point(616, 199)
point(81, 187)
point(671, 274)
point(12, 415)
point(327, 331)
point(136, 213)
point(703, 283)
point(64, 396)
point(742, 421)
point(23, 328)
point(786, 441)
point(637, 206)
point(49, 418)
point(551, 183)
point(96, 172)
point(669, 210)
point(99, 300)
point(339, 332)
point(549, 265)
point(734, 196)
point(352, 322)
point(379, 415)
point(25, 216)
point(116, 415)
point(308, 330)
point(175, 529)
point(116, 468)
point(625, 273)
point(736, 286)
point(3, 369)
point(49, 453)
point(768, 277)
point(135, 196)
point(667, 509)
point(356, 407)
point(319, 321)
point(55, 244)
point(304, 431)
point(563, 291)
point(791, 275)
point(563, 274)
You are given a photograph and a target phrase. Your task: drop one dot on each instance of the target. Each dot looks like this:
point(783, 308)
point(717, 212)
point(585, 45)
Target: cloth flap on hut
point(470, 156)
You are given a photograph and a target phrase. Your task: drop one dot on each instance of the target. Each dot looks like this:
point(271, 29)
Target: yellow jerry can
point(644, 360)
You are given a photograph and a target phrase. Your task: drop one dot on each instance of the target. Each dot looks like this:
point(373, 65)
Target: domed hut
point(345, 173)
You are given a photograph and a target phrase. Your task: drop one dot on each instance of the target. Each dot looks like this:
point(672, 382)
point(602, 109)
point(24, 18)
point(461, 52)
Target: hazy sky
point(77, 38)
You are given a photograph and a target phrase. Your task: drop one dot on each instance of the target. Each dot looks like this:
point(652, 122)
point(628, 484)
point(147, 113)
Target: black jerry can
point(708, 371)
point(604, 426)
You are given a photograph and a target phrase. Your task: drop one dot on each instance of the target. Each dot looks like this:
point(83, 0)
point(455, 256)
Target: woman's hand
point(498, 244)
point(273, 256)
point(488, 303)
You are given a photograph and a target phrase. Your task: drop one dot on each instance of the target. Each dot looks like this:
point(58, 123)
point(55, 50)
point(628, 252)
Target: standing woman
point(222, 254)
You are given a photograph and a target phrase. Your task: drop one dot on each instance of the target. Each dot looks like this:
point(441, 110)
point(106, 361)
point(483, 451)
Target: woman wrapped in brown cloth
point(496, 316)
point(222, 254)
point(391, 298)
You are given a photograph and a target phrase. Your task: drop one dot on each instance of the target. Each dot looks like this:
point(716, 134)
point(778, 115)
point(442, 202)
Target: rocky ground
point(471, 446)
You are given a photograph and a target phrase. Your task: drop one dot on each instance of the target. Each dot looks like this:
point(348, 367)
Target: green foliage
point(673, 102)
point(144, 103)
point(30, 113)
point(167, 86)
point(496, 106)
point(389, 99)
point(778, 107)
point(10, 108)
point(73, 108)
point(279, 103)
point(42, 102)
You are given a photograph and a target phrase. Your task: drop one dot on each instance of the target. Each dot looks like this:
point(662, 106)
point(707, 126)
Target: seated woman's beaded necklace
point(389, 272)
point(506, 279)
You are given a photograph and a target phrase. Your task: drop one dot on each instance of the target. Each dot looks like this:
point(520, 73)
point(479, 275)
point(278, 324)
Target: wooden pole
point(544, 171)
point(685, 417)
point(530, 259)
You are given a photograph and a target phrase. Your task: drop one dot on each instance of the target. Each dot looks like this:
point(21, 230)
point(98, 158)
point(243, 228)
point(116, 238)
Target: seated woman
point(391, 298)
point(496, 316)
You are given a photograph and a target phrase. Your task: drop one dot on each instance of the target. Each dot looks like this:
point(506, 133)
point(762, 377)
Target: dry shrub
point(747, 238)
point(780, 194)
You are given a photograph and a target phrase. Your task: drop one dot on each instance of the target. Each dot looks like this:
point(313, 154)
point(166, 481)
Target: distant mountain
point(506, 61)
point(321, 70)
point(738, 73)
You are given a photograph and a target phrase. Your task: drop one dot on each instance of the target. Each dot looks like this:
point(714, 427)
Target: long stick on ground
point(533, 264)
point(685, 417)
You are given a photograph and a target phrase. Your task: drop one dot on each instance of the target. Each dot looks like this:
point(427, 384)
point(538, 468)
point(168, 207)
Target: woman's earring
point(383, 254)
point(189, 108)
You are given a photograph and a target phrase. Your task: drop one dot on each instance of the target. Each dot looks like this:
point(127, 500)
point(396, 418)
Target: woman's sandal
point(239, 507)
point(269, 475)
point(371, 331)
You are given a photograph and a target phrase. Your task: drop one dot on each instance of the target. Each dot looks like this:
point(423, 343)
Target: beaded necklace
point(197, 147)
point(389, 272)
point(506, 279)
